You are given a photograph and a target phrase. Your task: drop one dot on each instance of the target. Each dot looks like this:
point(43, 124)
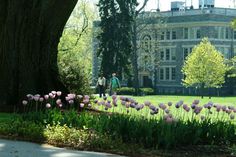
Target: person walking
point(114, 84)
point(101, 84)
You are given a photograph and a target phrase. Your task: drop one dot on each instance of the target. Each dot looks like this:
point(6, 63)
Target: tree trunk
point(202, 90)
point(134, 58)
point(30, 31)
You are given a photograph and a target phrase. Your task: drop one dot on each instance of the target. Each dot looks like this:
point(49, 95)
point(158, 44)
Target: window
point(198, 34)
point(173, 35)
point(167, 73)
point(168, 35)
point(216, 32)
point(167, 54)
point(226, 33)
point(224, 51)
point(173, 73)
point(162, 55)
point(147, 43)
point(186, 52)
point(162, 35)
point(221, 32)
point(185, 33)
point(173, 54)
point(190, 50)
point(161, 74)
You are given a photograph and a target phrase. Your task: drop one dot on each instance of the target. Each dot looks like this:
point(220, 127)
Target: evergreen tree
point(115, 38)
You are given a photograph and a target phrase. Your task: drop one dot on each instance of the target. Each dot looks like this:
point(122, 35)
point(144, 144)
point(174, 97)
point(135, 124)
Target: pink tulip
point(81, 105)
point(147, 103)
point(79, 96)
point(58, 93)
point(41, 99)
point(169, 103)
point(54, 92)
point(114, 97)
point(58, 101)
point(36, 98)
point(86, 97)
point(48, 105)
point(71, 101)
point(46, 97)
point(51, 95)
point(24, 102)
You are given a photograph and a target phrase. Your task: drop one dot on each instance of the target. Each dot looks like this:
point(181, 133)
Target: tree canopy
point(75, 49)
point(115, 38)
point(204, 67)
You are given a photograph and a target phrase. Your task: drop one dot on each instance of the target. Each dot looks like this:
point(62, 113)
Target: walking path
point(9, 148)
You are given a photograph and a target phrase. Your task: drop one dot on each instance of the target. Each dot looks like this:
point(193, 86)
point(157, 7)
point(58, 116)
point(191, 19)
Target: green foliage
point(21, 128)
point(125, 91)
point(232, 67)
point(108, 131)
point(131, 91)
point(204, 67)
point(75, 49)
point(85, 138)
point(147, 91)
point(150, 133)
point(52, 116)
point(233, 24)
point(115, 35)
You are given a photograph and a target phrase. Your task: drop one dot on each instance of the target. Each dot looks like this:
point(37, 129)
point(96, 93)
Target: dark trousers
point(101, 90)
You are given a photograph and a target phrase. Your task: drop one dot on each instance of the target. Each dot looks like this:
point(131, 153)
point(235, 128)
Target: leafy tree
point(75, 49)
point(233, 23)
point(30, 31)
point(115, 37)
point(204, 67)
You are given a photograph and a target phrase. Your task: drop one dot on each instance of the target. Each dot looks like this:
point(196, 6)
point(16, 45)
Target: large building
point(166, 39)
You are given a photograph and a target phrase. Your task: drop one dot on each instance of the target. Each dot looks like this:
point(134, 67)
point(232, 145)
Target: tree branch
point(140, 9)
point(83, 28)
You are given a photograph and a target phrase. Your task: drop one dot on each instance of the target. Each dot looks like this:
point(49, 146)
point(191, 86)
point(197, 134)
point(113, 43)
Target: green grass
point(187, 99)
point(180, 113)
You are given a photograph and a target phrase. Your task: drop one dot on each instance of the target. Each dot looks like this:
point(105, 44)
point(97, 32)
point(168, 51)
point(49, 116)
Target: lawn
point(180, 113)
point(187, 99)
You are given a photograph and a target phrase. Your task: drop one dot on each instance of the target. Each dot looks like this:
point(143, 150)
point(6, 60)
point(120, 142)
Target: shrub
point(147, 91)
point(125, 91)
point(75, 78)
point(131, 91)
point(24, 129)
point(82, 138)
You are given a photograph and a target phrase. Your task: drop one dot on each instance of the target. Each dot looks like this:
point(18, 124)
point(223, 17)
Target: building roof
point(190, 15)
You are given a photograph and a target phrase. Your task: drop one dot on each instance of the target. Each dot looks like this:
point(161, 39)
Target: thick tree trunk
point(30, 31)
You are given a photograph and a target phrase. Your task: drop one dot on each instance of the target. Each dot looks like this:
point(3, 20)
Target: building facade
point(164, 44)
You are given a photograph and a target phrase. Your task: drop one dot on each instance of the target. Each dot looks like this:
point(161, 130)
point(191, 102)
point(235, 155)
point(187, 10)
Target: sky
point(165, 4)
